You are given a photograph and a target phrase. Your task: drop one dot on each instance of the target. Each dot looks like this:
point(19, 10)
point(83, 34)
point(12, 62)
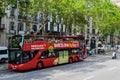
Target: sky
point(117, 2)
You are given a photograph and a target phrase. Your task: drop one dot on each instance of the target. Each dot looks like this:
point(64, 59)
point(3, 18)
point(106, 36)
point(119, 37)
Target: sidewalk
point(108, 53)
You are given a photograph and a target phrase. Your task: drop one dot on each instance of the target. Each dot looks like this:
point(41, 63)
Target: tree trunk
point(0, 20)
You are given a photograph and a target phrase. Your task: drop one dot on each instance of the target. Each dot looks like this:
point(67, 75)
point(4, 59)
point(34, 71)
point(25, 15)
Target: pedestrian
point(93, 52)
point(114, 56)
point(84, 50)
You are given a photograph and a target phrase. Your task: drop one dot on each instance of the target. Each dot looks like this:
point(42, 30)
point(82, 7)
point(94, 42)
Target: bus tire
point(70, 60)
point(40, 65)
point(76, 59)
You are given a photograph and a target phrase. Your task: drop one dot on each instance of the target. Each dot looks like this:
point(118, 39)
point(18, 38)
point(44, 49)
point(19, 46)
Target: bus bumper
point(16, 67)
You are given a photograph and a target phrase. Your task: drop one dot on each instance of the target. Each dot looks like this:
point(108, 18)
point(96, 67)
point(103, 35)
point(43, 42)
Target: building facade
point(27, 25)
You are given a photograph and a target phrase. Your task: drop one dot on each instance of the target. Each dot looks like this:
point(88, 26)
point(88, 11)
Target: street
point(99, 67)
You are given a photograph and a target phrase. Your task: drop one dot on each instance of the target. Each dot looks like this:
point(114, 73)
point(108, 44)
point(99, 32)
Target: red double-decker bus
point(37, 51)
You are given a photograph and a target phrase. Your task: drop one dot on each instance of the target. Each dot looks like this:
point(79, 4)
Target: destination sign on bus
point(39, 46)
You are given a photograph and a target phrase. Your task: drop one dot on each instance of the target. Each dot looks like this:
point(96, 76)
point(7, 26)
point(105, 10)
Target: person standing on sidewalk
point(84, 50)
point(92, 48)
point(114, 55)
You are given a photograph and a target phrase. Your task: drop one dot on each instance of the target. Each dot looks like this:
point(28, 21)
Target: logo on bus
point(28, 46)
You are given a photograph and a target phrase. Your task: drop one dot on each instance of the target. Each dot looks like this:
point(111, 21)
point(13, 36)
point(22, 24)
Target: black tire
point(2, 60)
point(40, 65)
point(76, 59)
point(70, 60)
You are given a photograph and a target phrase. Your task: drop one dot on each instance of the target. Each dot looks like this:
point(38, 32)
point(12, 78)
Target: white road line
point(112, 68)
point(88, 77)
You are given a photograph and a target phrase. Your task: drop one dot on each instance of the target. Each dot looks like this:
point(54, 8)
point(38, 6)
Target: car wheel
point(2, 60)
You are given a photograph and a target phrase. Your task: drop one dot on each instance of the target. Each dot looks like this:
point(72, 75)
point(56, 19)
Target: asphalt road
point(100, 67)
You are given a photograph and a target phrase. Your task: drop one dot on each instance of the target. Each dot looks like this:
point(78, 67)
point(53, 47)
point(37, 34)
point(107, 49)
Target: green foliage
point(106, 16)
point(2, 7)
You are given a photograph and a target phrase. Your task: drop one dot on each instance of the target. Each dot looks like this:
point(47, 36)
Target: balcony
point(2, 26)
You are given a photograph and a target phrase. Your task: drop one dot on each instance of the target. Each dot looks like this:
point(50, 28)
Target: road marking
point(88, 77)
point(112, 68)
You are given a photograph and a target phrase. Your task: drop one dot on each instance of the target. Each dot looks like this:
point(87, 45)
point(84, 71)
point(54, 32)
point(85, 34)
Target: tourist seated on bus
point(30, 40)
point(26, 40)
point(15, 43)
point(44, 54)
point(51, 54)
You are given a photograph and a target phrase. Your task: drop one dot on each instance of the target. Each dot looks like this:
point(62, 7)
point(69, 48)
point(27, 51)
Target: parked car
point(88, 50)
point(3, 54)
point(101, 48)
point(118, 46)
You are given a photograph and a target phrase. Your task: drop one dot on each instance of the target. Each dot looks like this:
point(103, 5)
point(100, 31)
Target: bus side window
point(70, 51)
point(56, 52)
point(44, 54)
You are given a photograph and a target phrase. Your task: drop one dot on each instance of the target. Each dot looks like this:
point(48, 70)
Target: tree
point(105, 15)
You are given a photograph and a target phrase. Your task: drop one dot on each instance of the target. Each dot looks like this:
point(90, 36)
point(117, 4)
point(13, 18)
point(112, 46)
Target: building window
point(88, 31)
point(21, 27)
point(20, 15)
point(35, 18)
point(40, 30)
point(11, 25)
point(41, 17)
point(12, 12)
point(93, 31)
point(50, 18)
point(88, 36)
point(28, 17)
point(64, 28)
point(34, 28)
point(55, 27)
point(27, 26)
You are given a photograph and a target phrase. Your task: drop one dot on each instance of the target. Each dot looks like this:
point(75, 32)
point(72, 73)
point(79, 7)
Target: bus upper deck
point(19, 41)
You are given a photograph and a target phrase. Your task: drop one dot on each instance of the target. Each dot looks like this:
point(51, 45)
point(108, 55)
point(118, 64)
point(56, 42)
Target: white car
point(101, 49)
point(3, 54)
point(118, 46)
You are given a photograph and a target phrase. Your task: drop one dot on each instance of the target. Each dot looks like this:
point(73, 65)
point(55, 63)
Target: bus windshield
point(16, 41)
point(15, 56)
point(18, 57)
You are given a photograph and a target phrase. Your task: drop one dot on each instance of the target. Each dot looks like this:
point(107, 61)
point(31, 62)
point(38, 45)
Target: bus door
point(48, 57)
point(28, 58)
point(63, 56)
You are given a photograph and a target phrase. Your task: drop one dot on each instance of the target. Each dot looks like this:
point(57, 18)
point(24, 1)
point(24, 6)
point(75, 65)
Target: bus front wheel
point(2, 60)
point(40, 65)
